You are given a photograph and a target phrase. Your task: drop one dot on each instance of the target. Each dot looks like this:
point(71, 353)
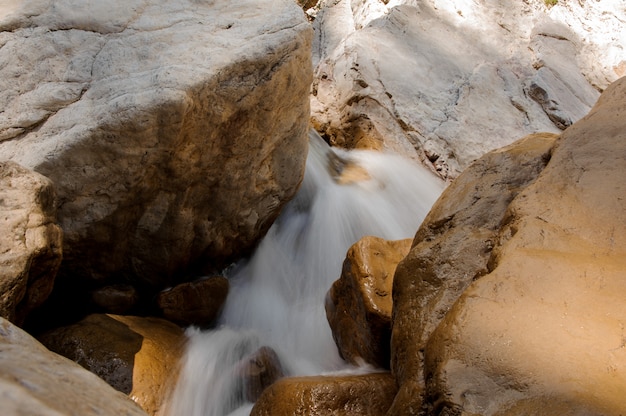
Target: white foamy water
point(277, 296)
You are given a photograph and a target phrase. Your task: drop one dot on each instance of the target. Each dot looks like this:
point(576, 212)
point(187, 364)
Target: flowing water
point(277, 296)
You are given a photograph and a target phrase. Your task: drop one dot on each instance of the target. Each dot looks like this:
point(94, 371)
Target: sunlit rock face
point(540, 324)
point(172, 131)
point(447, 81)
point(30, 241)
point(35, 381)
point(135, 355)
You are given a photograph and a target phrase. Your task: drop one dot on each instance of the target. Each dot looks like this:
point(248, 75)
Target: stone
point(137, 356)
point(541, 325)
point(258, 371)
point(30, 241)
point(451, 248)
point(446, 82)
point(116, 299)
point(359, 303)
point(194, 303)
point(349, 395)
point(36, 381)
point(173, 131)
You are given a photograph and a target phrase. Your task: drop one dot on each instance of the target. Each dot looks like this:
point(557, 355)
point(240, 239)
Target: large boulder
point(445, 82)
point(539, 328)
point(36, 381)
point(359, 303)
point(30, 241)
point(137, 356)
point(172, 131)
point(348, 395)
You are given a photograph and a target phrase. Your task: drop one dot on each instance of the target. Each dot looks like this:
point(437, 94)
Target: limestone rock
point(359, 304)
point(30, 241)
point(36, 381)
point(447, 81)
point(452, 248)
point(352, 395)
point(137, 356)
point(194, 303)
point(172, 131)
point(540, 325)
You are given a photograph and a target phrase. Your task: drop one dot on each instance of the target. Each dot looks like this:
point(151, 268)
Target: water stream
point(277, 296)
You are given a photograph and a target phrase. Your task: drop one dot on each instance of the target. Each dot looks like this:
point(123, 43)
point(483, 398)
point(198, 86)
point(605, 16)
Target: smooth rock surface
point(30, 241)
point(351, 395)
point(137, 356)
point(540, 327)
point(36, 381)
point(447, 81)
point(172, 131)
point(359, 303)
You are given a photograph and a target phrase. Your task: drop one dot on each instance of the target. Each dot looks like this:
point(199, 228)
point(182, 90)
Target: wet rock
point(30, 241)
point(194, 303)
point(351, 395)
point(258, 371)
point(359, 304)
point(173, 132)
point(36, 381)
point(137, 356)
point(545, 325)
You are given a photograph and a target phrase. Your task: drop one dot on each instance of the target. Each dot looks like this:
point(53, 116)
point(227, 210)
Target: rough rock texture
point(352, 395)
point(30, 241)
point(540, 326)
point(137, 356)
point(194, 303)
point(359, 303)
point(35, 381)
point(173, 131)
point(445, 81)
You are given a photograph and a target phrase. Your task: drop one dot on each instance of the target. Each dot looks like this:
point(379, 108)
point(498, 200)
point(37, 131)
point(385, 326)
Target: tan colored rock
point(451, 249)
point(359, 303)
point(547, 323)
point(350, 395)
point(194, 303)
point(30, 241)
point(36, 381)
point(137, 356)
point(173, 131)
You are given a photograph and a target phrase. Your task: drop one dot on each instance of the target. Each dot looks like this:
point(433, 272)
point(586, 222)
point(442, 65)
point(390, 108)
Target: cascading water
point(277, 296)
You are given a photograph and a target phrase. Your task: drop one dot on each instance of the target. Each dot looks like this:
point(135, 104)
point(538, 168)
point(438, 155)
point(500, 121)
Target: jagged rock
point(172, 131)
point(359, 304)
point(258, 371)
point(541, 325)
point(452, 248)
point(137, 356)
point(352, 395)
point(445, 82)
point(30, 241)
point(194, 303)
point(36, 381)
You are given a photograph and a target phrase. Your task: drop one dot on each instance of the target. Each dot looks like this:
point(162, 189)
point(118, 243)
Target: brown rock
point(30, 241)
point(117, 299)
point(352, 395)
point(450, 250)
point(36, 381)
point(258, 371)
point(546, 325)
point(194, 303)
point(137, 356)
point(359, 304)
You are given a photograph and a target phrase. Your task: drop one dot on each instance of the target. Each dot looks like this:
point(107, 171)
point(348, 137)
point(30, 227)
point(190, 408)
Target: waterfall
point(277, 296)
